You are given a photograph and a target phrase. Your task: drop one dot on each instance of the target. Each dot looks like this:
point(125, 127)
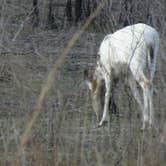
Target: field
point(60, 123)
point(64, 132)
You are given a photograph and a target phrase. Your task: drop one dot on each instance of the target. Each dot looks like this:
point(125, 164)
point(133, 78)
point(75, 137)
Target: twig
point(22, 25)
point(51, 76)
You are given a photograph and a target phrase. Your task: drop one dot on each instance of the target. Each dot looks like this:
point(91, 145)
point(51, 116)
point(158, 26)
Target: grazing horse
point(132, 51)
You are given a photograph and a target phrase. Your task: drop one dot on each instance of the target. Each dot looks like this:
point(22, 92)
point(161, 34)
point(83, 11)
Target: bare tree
point(35, 13)
point(69, 11)
point(78, 10)
point(126, 12)
point(50, 18)
point(87, 8)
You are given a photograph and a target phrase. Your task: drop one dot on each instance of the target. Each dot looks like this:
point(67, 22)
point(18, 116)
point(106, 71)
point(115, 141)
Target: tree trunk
point(35, 13)
point(78, 10)
point(50, 18)
point(69, 11)
point(126, 13)
point(87, 8)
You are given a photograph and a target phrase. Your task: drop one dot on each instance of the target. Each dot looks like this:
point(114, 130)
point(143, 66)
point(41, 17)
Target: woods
point(115, 14)
point(46, 115)
point(54, 14)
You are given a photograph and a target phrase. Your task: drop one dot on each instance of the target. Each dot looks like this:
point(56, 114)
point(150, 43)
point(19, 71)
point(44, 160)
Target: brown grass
point(51, 123)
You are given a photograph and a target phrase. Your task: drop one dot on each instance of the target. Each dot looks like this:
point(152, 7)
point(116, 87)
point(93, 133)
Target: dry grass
point(63, 133)
point(63, 124)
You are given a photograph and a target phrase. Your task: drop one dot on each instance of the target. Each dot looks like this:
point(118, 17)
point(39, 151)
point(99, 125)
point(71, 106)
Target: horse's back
point(127, 43)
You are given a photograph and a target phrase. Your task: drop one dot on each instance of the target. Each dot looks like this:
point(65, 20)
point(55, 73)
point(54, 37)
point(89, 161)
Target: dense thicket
point(115, 14)
point(57, 14)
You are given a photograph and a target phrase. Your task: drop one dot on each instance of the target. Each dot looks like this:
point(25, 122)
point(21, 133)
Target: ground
point(64, 133)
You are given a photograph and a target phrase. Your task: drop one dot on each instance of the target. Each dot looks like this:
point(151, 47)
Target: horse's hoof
point(102, 123)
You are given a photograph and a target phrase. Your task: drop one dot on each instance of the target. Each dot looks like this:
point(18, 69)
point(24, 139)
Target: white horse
point(132, 51)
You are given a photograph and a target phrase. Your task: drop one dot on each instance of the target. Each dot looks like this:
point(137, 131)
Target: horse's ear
point(88, 79)
point(86, 74)
point(90, 82)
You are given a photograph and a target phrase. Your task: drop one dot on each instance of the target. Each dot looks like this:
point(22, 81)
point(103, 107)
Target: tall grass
point(53, 123)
